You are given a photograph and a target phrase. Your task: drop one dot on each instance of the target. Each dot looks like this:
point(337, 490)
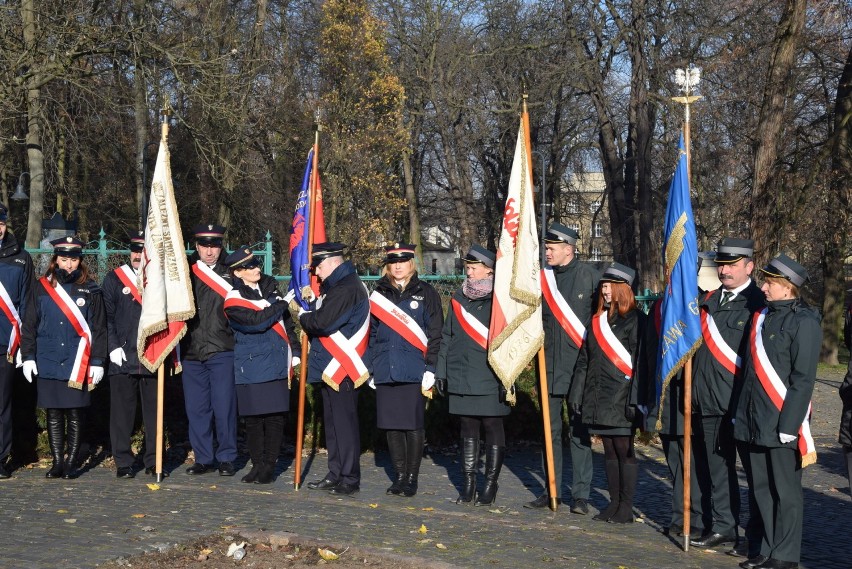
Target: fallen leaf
point(496, 511)
point(61, 511)
point(327, 554)
point(424, 540)
point(206, 551)
point(235, 546)
point(138, 516)
point(374, 505)
point(440, 546)
point(428, 509)
point(70, 521)
point(147, 528)
point(153, 487)
point(213, 487)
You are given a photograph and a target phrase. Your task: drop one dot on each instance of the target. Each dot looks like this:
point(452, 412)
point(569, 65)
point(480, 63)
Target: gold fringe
point(159, 327)
point(809, 459)
point(330, 382)
point(678, 366)
point(426, 394)
point(75, 384)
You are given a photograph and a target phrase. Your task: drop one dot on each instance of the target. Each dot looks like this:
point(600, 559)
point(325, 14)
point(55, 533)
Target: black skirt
point(263, 398)
point(399, 406)
point(608, 431)
point(55, 394)
point(478, 405)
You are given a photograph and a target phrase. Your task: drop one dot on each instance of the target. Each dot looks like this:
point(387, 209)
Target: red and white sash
point(472, 327)
point(717, 345)
point(209, 277)
point(775, 388)
point(128, 278)
point(561, 309)
point(611, 346)
point(234, 299)
point(8, 308)
point(68, 307)
point(346, 354)
point(400, 322)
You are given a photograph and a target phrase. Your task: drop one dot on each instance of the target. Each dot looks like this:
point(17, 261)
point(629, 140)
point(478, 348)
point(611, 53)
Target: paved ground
point(95, 518)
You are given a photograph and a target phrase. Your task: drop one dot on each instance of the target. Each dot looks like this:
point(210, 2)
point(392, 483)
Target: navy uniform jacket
point(792, 337)
point(208, 332)
point(50, 339)
point(576, 282)
point(712, 383)
point(16, 274)
point(260, 353)
point(393, 358)
point(122, 317)
point(343, 306)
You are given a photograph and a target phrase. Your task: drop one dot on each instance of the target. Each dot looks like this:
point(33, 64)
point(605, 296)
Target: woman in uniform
point(405, 335)
point(475, 392)
point(64, 345)
point(264, 344)
point(772, 410)
point(605, 393)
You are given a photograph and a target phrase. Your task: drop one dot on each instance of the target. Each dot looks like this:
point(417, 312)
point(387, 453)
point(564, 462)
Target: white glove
point(96, 373)
point(291, 294)
point(30, 369)
point(117, 356)
point(785, 438)
point(428, 381)
point(296, 361)
point(19, 361)
point(372, 383)
point(302, 311)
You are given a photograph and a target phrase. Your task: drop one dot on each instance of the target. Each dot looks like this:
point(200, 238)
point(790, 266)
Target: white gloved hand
point(291, 294)
point(785, 438)
point(30, 369)
point(19, 361)
point(428, 381)
point(96, 373)
point(372, 383)
point(117, 356)
point(302, 311)
point(296, 361)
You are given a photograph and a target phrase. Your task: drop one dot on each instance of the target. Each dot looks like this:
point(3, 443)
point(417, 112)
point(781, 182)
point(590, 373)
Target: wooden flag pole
point(161, 390)
point(545, 419)
point(303, 368)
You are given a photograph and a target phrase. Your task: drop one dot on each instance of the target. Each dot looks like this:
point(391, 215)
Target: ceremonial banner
point(516, 332)
point(300, 262)
point(167, 301)
point(680, 329)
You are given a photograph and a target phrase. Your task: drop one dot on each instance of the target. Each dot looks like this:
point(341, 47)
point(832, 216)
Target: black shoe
point(227, 469)
point(152, 471)
point(4, 474)
point(55, 471)
point(753, 562)
point(252, 474)
point(542, 501)
point(711, 540)
point(344, 489)
point(125, 472)
point(199, 468)
point(777, 564)
point(580, 506)
point(324, 484)
point(265, 474)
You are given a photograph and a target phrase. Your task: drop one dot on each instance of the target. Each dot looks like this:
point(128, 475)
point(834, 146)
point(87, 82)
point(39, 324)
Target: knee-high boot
point(493, 464)
point(624, 514)
point(414, 441)
point(470, 458)
point(75, 436)
point(56, 438)
point(398, 449)
point(273, 434)
point(254, 438)
point(613, 480)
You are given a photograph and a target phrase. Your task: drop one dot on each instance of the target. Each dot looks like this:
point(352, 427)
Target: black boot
point(624, 514)
point(414, 441)
point(56, 438)
point(75, 436)
point(273, 434)
point(254, 438)
point(493, 464)
point(470, 458)
point(613, 480)
point(397, 447)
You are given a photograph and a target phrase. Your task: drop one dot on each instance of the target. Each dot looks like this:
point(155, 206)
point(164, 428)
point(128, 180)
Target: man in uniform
point(208, 358)
point(568, 285)
point(16, 296)
point(128, 379)
point(725, 320)
point(338, 325)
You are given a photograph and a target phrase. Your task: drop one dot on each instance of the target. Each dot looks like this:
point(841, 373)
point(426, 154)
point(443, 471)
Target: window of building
point(596, 205)
point(573, 208)
point(574, 226)
point(598, 229)
point(596, 254)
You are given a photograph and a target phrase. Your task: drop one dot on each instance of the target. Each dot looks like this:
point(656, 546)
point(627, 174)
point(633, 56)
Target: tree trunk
point(35, 158)
point(140, 119)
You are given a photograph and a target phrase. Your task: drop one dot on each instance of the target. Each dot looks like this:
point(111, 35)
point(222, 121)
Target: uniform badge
point(580, 295)
point(125, 290)
point(414, 304)
point(81, 302)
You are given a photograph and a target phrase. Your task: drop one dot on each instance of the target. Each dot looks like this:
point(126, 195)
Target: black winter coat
point(122, 316)
point(208, 332)
point(845, 437)
point(17, 276)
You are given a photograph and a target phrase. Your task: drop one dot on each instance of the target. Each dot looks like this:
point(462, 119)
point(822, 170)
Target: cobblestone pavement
point(97, 517)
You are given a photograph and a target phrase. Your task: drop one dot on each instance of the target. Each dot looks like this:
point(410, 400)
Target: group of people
point(753, 374)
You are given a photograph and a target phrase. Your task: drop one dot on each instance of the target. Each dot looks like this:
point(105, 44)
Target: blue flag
point(680, 330)
point(300, 264)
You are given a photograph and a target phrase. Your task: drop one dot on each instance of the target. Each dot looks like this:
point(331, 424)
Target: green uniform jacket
point(792, 337)
point(461, 361)
point(599, 387)
point(712, 384)
point(576, 282)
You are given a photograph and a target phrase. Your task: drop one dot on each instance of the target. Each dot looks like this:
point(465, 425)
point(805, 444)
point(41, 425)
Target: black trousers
point(673, 449)
point(715, 470)
point(125, 390)
point(7, 374)
point(342, 438)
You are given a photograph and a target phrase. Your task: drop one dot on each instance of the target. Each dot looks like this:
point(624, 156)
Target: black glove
point(441, 386)
point(630, 413)
point(576, 410)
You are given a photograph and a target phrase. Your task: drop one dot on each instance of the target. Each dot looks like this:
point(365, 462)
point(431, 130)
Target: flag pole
point(691, 79)
point(303, 367)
